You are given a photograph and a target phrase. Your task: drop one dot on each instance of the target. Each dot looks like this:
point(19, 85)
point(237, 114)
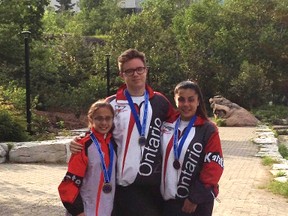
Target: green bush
point(11, 128)
point(271, 113)
point(283, 150)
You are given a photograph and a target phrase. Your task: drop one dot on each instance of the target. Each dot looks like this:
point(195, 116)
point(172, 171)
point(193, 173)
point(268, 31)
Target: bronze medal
point(176, 164)
point(142, 141)
point(107, 188)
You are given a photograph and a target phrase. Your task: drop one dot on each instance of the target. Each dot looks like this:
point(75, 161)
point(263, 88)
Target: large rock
point(232, 113)
point(3, 152)
point(51, 151)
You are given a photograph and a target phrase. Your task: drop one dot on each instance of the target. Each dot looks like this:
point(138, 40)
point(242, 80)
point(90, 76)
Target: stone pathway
point(31, 189)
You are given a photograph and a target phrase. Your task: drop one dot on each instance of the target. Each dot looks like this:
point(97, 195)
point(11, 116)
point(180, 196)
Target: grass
point(268, 161)
point(275, 186)
point(279, 188)
point(280, 174)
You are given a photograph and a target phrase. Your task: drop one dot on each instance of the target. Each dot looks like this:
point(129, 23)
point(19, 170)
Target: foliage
point(40, 124)
point(75, 59)
point(16, 16)
point(15, 95)
point(221, 42)
point(243, 86)
point(24, 15)
point(220, 122)
point(97, 17)
point(237, 49)
point(11, 127)
point(283, 150)
point(271, 113)
point(60, 23)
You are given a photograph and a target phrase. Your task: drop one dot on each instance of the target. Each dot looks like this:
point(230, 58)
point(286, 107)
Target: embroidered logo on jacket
point(189, 166)
point(167, 129)
point(151, 150)
point(71, 177)
point(214, 156)
point(119, 108)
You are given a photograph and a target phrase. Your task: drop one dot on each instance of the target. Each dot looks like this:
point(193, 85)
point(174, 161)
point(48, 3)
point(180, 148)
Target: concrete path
point(244, 177)
point(31, 189)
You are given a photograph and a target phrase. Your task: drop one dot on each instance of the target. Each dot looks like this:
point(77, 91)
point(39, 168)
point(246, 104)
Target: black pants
point(173, 208)
point(138, 200)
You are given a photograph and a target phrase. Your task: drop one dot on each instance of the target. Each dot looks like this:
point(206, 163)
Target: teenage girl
point(192, 156)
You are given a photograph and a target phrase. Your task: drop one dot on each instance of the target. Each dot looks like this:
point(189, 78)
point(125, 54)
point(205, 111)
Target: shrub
point(283, 150)
point(271, 113)
point(11, 128)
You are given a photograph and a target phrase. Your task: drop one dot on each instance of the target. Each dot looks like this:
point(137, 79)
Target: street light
point(108, 73)
point(26, 35)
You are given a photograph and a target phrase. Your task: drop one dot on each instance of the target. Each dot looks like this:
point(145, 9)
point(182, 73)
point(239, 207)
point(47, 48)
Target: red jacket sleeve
point(213, 162)
point(69, 188)
point(206, 187)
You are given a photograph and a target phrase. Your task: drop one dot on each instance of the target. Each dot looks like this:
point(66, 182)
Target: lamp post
point(108, 73)
point(26, 35)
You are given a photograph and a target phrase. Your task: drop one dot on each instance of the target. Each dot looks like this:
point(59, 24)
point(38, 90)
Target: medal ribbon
point(107, 173)
point(178, 148)
point(141, 129)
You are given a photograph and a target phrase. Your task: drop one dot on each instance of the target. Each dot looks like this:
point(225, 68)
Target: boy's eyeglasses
point(138, 70)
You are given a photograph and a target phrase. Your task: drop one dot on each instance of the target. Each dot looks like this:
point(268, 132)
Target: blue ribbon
point(141, 129)
point(178, 148)
point(107, 173)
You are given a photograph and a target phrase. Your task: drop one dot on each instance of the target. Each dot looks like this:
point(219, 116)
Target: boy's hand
point(75, 147)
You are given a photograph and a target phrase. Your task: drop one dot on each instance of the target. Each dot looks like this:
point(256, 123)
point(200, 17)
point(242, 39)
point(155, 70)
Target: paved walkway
point(31, 189)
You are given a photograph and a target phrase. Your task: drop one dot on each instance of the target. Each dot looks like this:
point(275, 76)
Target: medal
point(142, 141)
point(140, 128)
point(177, 147)
point(107, 171)
point(176, 164)
point(107, 188)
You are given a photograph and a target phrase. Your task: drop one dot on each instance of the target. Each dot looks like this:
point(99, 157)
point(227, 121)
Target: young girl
point(192, 156)
point(89, 185)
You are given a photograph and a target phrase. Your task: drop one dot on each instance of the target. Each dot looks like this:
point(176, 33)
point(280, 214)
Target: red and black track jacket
point(201, 163)
point(81, 188)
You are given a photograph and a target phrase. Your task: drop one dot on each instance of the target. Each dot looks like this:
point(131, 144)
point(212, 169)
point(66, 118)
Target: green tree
point(196, 31)
point(16, 16)
point(217, 39)
point(251, 88)
point(61, 23)
point(97, 17)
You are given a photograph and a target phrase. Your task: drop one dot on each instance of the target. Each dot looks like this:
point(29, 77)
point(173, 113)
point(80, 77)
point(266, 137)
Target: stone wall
point(50, 151)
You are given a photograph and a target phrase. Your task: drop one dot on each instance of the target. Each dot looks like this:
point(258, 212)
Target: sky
point(54, 2)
